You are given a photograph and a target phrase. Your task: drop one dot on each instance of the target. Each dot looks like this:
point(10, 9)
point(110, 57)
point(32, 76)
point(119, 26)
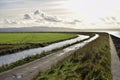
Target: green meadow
point(18, 38)
point(14, 42)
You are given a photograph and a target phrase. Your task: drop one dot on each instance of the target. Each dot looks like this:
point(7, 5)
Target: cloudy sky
point(81, 14)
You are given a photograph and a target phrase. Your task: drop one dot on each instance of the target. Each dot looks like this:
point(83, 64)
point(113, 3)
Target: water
point(115, 33)
point(7, 59)
point(79, 45)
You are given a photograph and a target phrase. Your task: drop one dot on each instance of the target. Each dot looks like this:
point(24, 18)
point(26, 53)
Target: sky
point(82, 14)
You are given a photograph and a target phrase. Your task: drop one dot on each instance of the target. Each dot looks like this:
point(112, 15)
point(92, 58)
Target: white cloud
point(39, 18)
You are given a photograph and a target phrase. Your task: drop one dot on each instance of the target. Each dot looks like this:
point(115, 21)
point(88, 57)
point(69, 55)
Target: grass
point(14, 42)
point(92, 62)
point(34, 57)
point(20, 38)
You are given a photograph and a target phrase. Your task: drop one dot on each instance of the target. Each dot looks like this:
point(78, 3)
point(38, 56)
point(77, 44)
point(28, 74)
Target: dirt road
point(28, 71)
point(115, 62)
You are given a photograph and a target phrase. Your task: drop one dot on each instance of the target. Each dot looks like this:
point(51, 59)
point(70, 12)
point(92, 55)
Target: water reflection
point(115, 33)
point(6, 59)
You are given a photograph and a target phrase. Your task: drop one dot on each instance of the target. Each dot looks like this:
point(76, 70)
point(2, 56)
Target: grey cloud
point(7, 21)
point(110, 20)
point(73, 21)
point(27, 16)
point(38, 17)
point(36, 12)
point(47, 17)
point(50, 18)
point(113, 18)
point(118, 23)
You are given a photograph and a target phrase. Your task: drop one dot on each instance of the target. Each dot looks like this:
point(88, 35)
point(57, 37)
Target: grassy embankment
point(92, 62)
point(14, 42)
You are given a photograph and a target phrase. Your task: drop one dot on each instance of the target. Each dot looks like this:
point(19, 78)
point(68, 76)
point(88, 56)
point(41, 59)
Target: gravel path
point(115, 63)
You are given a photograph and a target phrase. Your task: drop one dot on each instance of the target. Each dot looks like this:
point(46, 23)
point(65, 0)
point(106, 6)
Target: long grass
point(92, 62)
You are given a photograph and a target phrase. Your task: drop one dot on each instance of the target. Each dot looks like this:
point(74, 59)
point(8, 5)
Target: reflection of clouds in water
point(23, 54)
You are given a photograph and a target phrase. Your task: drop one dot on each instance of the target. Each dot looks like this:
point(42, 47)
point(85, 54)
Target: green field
point(14, 42)
point(92, 62)
point(18, 38)
point(34, 57)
